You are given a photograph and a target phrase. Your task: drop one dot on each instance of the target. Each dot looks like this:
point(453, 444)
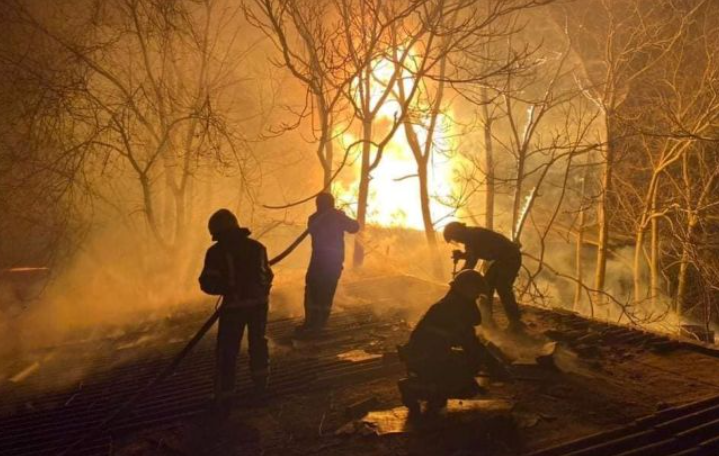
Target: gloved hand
point(458, 255)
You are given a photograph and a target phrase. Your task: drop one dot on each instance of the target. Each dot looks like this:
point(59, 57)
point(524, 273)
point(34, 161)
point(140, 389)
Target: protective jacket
point(484, 244)
point(237, 268)
point(327, 230)
point(447, 324)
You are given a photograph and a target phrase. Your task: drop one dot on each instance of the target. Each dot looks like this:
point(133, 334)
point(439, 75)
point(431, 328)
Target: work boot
point(301, 328)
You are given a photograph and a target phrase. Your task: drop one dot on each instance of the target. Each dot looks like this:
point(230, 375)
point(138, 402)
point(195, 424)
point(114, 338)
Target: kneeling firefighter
point(237, 268)
point(444, 353)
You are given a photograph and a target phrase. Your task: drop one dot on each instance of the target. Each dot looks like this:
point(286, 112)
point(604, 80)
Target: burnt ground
point(599, 377)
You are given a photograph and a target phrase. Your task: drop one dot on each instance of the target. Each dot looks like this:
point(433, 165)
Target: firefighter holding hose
point(237, 268)
point(326, 227)
point(506, 260)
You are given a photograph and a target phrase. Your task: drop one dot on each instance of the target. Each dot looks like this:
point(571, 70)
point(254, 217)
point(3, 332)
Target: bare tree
point(688, 104)
point(305, 32)
point(461, 32)
point(627, 39)
point(366, 29)
point(153, 77)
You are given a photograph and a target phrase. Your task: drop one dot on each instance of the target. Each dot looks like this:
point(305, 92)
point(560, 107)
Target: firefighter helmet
point(469, 283)
point(452, 231)
point(221, 221)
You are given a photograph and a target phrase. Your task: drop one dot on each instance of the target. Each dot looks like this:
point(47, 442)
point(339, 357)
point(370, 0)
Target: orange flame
point(394, 199)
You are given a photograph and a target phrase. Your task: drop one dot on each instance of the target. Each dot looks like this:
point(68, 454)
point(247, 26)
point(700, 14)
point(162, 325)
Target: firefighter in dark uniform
point(506, 260)
point(327, 227)
point(444, 353)
point(237, 268)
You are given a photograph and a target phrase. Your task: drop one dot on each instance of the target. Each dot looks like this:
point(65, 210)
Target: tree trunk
point(422, 161)
point(146, 186)
point(424, 203)
point(488, 163)
point(325, 149)
point(363, 197)
point(427, 156)
point(579, 268)
point(684, 265)
point(521, 164)
point(603, 215)
point(654, 257)
point(429, 232)
point(637, 266)
point(517, 199)
point(329, 159)
point(647, 216)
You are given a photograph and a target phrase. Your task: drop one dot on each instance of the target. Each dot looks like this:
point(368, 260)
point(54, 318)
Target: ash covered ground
point(338, 394)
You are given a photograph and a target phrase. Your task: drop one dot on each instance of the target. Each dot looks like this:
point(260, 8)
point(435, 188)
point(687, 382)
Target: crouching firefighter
point(506, 260)
point(444, 354)
point(237, 268)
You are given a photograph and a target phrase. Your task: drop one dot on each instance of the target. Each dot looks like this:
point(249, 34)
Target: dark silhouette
point(506, 258)
point(327, 227)
point(237, 268)
point(437, 370)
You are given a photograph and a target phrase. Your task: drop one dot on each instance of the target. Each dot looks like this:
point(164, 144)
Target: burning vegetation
point(584, 132)
point(588, 136)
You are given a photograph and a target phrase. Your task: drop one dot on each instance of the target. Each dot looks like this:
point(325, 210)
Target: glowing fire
point(394, 199)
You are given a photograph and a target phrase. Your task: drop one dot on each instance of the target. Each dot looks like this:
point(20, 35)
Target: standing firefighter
point(327, 227)
point(443, 353)
point(237, 268)
point(506, 258)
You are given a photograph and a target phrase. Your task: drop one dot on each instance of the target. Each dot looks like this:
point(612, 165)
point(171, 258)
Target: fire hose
point(170, 369)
